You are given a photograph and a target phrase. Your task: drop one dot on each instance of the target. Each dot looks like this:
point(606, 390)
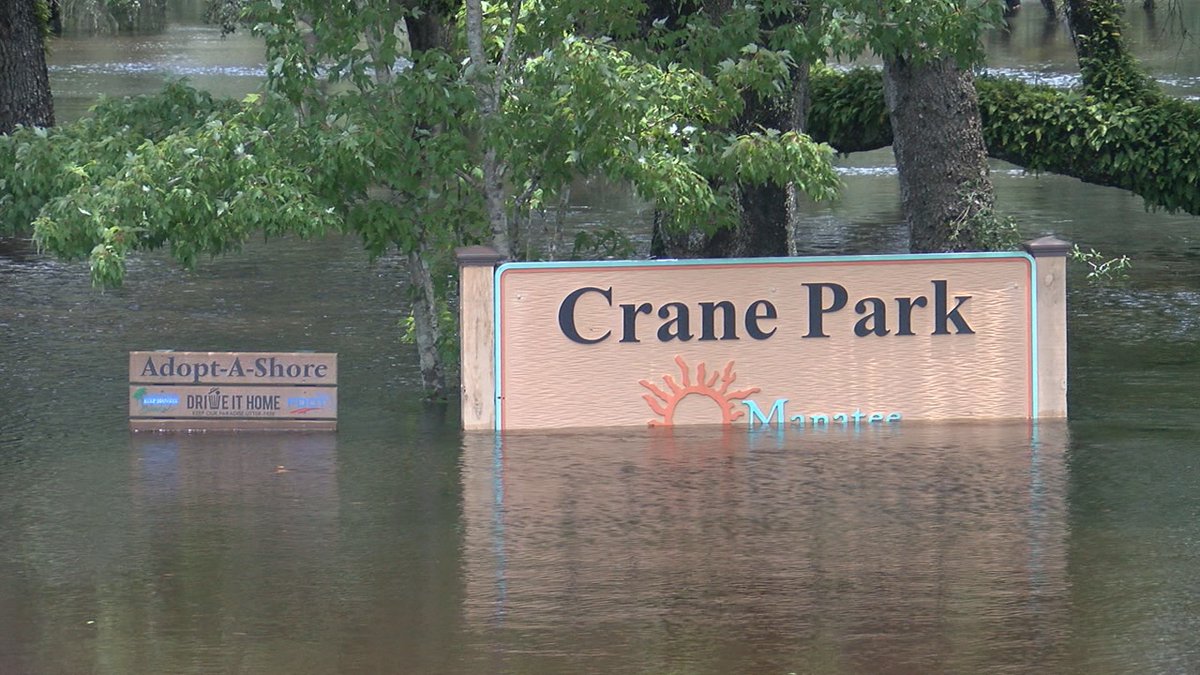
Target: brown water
point(401, 545)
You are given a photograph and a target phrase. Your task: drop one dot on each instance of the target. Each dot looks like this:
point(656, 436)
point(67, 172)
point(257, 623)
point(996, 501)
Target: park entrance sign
point(799, 342)
point(239, 391)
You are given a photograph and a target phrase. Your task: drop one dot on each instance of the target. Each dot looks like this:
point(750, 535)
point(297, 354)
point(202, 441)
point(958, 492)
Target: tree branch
point(506, 53)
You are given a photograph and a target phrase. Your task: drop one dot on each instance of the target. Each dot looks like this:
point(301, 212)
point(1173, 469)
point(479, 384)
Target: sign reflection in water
point(906, 548)
point(237, 525)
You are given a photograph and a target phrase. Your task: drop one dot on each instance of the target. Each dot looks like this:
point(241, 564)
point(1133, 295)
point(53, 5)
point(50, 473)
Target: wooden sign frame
point(232, 391)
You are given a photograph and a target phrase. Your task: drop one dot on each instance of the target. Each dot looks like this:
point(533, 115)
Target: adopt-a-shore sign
point(807, 343)
point(232, 391)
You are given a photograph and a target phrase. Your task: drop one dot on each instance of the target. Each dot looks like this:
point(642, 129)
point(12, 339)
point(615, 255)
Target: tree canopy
point(414, 136)
point(421, 125)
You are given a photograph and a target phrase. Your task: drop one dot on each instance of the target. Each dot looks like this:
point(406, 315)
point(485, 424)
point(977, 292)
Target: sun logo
point(665, 404)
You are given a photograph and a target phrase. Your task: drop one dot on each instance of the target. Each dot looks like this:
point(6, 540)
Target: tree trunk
point(797, 121)
point(426, 30)
point(762, 230)
point(1109, 71)
point(426, 326)
point(940, 154)
point(487, 85)
point(768, 214)
point(24, 83)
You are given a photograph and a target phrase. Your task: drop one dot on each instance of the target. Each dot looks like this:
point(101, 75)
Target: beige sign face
point(232, 390)
point(810, 343)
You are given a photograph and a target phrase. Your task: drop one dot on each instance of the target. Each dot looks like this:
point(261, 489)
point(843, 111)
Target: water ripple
point(181, 70)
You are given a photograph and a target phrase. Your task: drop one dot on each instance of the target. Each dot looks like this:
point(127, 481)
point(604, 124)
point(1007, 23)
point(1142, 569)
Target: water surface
point(400, 544)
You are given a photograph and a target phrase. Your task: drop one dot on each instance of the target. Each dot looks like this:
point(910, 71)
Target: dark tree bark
point(24, 83)
point(761, 230)
point(937, 138)
point(427, 27)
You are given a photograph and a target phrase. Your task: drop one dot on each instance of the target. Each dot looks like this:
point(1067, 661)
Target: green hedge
point(1151, 148)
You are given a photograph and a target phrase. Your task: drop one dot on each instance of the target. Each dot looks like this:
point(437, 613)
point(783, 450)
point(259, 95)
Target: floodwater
point(401, 545)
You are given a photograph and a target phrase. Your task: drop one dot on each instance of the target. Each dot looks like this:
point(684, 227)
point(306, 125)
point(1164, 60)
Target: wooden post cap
point(1047, 247)
point(478, 255)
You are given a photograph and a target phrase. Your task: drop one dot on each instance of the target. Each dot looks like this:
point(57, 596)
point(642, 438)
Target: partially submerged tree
point(764, 50)
point(24, 82)
point(928, 50)
point(1109, 70)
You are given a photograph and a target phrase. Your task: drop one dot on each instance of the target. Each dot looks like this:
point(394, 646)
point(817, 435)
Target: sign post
point(232, 391)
